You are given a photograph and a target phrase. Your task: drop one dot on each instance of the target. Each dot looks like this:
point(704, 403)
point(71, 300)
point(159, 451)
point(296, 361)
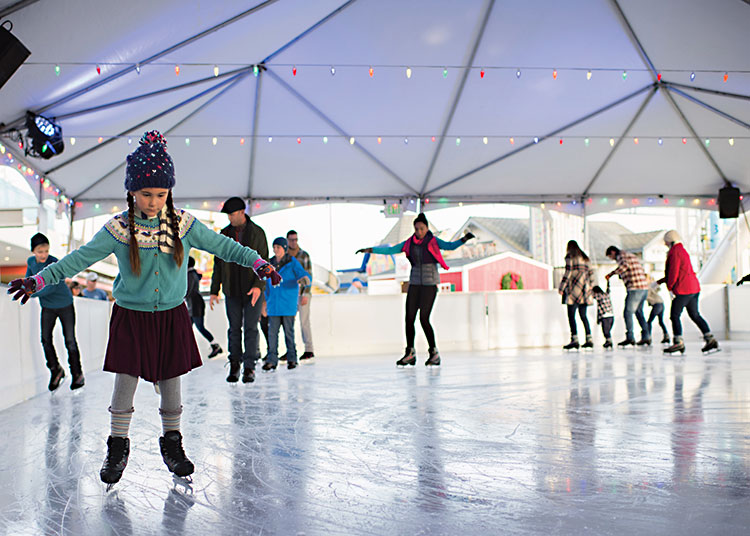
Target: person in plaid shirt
point(634, 277)
point(604, 313)
point(575, 288)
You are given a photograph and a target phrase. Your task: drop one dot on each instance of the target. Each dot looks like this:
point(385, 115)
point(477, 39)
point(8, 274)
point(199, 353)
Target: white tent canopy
point(331, 113)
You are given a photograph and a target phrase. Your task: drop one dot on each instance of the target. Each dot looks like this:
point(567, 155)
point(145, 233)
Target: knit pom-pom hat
point(149, 166)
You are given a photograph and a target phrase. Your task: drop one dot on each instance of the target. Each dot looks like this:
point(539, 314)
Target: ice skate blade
point(183, 482)
point(712, 351)
point(110, 486)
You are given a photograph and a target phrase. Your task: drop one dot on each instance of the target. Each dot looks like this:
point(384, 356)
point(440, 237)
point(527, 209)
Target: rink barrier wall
point(351, 325)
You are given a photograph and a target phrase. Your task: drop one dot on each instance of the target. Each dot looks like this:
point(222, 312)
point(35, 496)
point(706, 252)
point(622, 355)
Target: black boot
point(434, 359)
point(268, 366)
point(644, 342)
point(78, 381)
point(248, 375)
point(626, 343)
point(608, 344)
point(234, 372)
point(589, 343)
point(711, 345)
point(118, 449)
point(55, 378)
point(410, 358)
point(306, 355)
point(678, 346)
point(174, 455)
point(215, 350)
point(573, 344)
point(665, 340)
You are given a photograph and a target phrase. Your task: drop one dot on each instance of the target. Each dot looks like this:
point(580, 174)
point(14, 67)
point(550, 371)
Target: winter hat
point(37, 240)
point(421, 218)
point(149, 166)
point(671, 237)
point(233, 204)
point(281, 241)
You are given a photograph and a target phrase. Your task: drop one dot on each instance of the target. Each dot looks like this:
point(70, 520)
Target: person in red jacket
point(682, 282)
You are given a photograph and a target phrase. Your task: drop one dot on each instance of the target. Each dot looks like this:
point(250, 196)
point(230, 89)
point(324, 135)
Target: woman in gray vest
point(423, 251)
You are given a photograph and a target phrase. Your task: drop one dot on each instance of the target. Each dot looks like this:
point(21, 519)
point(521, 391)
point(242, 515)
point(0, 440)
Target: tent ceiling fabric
point(244, 111)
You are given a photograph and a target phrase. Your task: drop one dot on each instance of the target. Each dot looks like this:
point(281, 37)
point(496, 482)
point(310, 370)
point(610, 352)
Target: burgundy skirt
point(153, 346)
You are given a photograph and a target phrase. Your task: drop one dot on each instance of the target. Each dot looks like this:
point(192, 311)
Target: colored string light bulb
point(731, 142)
point(561, 141)
point(256, 70)
point(485, 140)
point(380, 140)
point(726, 77)
point(458, 142)
point(294, 70)
point(445, 72)
point(187, 142)
point(611, 142)
point(408, 72)
point(512, 141)
point(635, 140)
point(588, 75)
point(177, 70)
point(536, 140)
point(433, 138)
point(138, 68)
point(270, 139)
point(130, 141)
point(214, 140)
point(325, 139)
point(554, 74)
point(518, 73)
point(708, 142)
point(661, 141)
point(351, 141)
point(98, 69)
point(692, 76)
point(333, 70)
point(72, 141)
point(216, 70)
point(372, 72)
point(684, 141)
point(242, 141)
point(624, 75)
point(57, 70)
point(481, 73)
point(658, 77)
point(100, 139)
point(299, 140)
point(406, 141)
point(586, 142)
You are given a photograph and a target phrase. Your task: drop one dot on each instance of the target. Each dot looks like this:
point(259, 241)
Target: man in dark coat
point(242, 290)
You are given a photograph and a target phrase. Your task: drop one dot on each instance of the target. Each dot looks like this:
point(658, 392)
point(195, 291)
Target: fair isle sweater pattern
point(147, 233)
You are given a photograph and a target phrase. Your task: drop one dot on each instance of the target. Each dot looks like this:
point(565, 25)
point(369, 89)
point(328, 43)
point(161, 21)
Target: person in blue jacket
point(423, 251)
point(57, 302)
point(150, 333)
point(281, 304)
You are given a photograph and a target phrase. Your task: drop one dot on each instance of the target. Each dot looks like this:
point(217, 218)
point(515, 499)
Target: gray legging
point(125, 385)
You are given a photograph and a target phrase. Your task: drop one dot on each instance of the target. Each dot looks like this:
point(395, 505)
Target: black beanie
point(37, 239)
point(149, 166)
point(421, 218)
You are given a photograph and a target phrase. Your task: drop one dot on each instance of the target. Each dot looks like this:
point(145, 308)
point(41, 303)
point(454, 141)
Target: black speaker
point(12, 53)
point(729, 202)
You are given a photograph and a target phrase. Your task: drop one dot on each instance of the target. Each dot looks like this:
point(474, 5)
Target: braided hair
point(135, 258)
point(174, 220)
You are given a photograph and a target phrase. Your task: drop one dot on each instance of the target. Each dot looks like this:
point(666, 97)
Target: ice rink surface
point(516, 442)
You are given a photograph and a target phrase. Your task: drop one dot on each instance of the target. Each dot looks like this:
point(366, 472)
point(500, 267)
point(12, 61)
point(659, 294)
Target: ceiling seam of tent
point(707, 106)
point(636, 41)
point(254, 140)
point(340, 130)
point(695, 135)
point(122, 72)
point(156, 93)
point(711, 91)
point(611, 153)
point(16, 7)
point(541, 138)
point(142, 123)
point(309, 30)
point(459, 92)
point(166, 132)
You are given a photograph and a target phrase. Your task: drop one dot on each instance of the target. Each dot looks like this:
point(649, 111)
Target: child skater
point(657, 310)
point(196, 306)
point(281, 304)
point(423, 251)
point(604, 313)
point(57, 302)
point(150, 334)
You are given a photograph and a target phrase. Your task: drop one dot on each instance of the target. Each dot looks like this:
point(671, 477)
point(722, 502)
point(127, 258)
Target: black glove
point(468, 236)
point(364, 250)
point(23, 289)
point(266, 271)
point(743, 280)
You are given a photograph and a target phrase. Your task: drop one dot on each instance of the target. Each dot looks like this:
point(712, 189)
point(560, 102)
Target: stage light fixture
point(45, 138)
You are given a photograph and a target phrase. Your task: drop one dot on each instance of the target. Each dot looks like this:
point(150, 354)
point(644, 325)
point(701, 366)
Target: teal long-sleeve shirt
point(52, 296)
point(442, 244)
point(162, 284)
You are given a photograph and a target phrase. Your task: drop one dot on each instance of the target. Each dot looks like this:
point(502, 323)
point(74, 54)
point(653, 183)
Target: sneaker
point(626, 342)
point(174, 455)
point(78, 382)
point(234, 372)
point(291, 365)
point(410, 358)
point(55, 378)
point(248, 375)
point(307, 355)
point(268, 366)
point(215, 350)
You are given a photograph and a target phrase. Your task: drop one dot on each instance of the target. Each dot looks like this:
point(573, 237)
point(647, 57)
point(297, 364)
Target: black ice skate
point(248, 375)
point(234, 372)
point(665, 340)
point(78, 382)
point(607, 344)
point(55, 378)
point(626, 343)
point(711, 346)
point(589, 344)
point(678, 346)
point(174, 455)
point(215, 350)
point(268, 366)
point(410, 358)
point(644, 342)
point(572, 345)
point(434, 359)
point(118, 449)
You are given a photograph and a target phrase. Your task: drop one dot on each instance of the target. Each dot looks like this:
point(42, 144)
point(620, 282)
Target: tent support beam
point(709, 107)
point(340, 130)
point(619, 141)
point(309, 30)
point(711, 91)
point(254, 141)
point(16, 7)
point(670, 98)
point(467, 69)
point(541, 138)
point(150, 59)
point(152, 94)
point(635, 40)
point(231, 84)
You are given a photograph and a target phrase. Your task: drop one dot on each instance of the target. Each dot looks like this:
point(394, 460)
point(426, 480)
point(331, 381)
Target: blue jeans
point(689, 302)
point(241, 316)
point(274, 322)
point(580, 308)
point(634, 304)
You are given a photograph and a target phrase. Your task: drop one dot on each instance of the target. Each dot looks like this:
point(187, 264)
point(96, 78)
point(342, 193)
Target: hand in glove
point(743, 280)
point(23, 288)
point(364, 250)
point(468, 236)
point(266, 271)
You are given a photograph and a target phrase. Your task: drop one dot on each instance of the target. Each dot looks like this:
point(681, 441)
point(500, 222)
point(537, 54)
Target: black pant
point(198, 321)
point(581, 308)
point(243, 315)
point(689, 302)
point(657, 311)
point(67, 316)
point(420, 298)
point(607, 326)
